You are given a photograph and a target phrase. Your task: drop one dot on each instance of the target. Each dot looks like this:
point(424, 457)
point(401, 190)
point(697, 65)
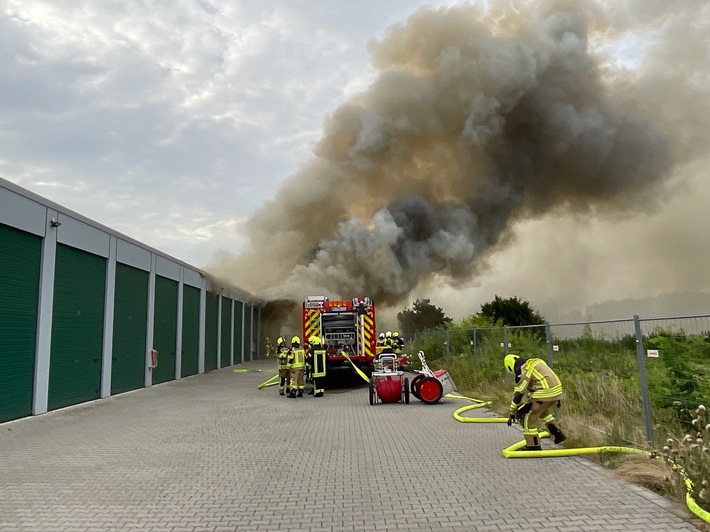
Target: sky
point(553, 151)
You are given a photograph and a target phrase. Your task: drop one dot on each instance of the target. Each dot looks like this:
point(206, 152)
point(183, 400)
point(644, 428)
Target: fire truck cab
point(342, 325)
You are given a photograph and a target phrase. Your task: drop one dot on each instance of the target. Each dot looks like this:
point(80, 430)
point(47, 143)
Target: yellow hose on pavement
point(513, 452)
point(365, 377)
point(270, 382)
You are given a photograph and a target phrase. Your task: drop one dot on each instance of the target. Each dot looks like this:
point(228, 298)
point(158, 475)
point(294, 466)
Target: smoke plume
point(479, 118)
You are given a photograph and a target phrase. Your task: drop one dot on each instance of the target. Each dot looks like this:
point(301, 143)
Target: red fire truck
point(342, 325)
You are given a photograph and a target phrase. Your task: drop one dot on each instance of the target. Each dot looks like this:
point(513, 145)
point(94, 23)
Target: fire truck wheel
point(416, 381)
point(430, 390)
point(372, 393)
point(405, 389)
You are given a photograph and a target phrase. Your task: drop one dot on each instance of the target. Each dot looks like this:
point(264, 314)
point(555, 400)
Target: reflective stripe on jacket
point(282, 355)
point(319, 363)
point(539, 380)
point(298, 358)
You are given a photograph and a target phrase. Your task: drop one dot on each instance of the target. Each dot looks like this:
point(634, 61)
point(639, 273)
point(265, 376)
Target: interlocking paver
point(212, 452)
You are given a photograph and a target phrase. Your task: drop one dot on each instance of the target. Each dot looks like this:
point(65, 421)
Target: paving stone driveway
point(212, 452)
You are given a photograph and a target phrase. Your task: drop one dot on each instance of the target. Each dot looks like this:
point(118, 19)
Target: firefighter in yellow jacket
point(297, 362)
point(318, 359)
point(544, 390)
point(282, 352)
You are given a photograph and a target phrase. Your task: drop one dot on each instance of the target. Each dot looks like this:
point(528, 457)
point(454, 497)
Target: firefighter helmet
point(280, 341)
point(382, 336)
point(314, 340)
point(509, 362)
point(295, 340)
point(395, 334)
point(388, 334)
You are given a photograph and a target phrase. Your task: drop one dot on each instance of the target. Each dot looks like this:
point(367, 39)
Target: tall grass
point(602, 403)
point(692, 453)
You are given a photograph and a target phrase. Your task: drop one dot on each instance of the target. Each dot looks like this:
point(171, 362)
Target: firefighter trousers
point(297, 380)
point(531, 413)
point(318, 386)
point(284, 376)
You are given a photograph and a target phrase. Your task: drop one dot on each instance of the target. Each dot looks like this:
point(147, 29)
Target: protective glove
point(511, 419)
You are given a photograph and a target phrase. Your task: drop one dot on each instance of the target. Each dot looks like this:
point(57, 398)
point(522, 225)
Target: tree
point(422, 316)
point(511, 311)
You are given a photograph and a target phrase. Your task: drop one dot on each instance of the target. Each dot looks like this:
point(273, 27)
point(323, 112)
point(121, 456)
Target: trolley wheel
point(416, 381)
point(405, 389)
point(430, 390)
point(372, 393)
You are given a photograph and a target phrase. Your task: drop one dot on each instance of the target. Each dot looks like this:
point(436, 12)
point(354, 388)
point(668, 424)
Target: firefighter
point(544, 390)
point(282, 353)
point(397, 343)
point(267, 345)
point(380, 343)
point(318, 358)
point(308, 368)
point(297, 362)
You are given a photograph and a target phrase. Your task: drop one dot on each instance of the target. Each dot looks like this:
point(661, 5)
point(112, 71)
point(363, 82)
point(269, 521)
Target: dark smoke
point(479, 118)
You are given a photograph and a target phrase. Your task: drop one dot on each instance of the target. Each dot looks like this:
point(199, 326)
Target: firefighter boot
point(300, 393)
point(292, 394)
point(533, 444)
point(557, 435)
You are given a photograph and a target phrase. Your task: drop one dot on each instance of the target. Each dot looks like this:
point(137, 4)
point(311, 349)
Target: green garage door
point(19, 292)
point(130, 318)
point(77, 327)
point(238, 309)
point(211, 332)
point(226, 333)
point(190, 330)
point(248, 347)
point(165, 329)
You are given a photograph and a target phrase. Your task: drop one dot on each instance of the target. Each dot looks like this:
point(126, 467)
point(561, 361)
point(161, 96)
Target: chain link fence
point(631, 381)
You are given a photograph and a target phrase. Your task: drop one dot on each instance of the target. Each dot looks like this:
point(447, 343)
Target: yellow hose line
point(478, 404)
point(270, 382)
point(513, 452)
point(365, 377)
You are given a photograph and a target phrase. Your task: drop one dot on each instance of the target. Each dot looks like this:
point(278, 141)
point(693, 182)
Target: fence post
point(475, 366)
point(643, 380)
point(548, 339)
point(505, 339)
point(448, 341)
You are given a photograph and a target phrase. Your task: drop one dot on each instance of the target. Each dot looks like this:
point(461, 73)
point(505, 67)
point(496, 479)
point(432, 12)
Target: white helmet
point(382, 335)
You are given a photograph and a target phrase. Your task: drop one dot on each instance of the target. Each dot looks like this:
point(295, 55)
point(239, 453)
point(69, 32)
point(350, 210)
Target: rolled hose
point(513, 452)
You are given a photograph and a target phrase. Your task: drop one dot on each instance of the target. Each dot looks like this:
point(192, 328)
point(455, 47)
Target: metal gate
point(226, 332)
point(77, 327)
point(238, 345)
point(19, 293)
point(211, 332)
point(130, 318)
point(190, 331)
point(165, 328)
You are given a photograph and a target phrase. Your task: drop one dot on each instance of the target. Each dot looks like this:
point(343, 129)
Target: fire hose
point(513, 452)
point(269, 382)
point(358, 370)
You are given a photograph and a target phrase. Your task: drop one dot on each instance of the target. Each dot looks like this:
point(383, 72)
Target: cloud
point(204, 107)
